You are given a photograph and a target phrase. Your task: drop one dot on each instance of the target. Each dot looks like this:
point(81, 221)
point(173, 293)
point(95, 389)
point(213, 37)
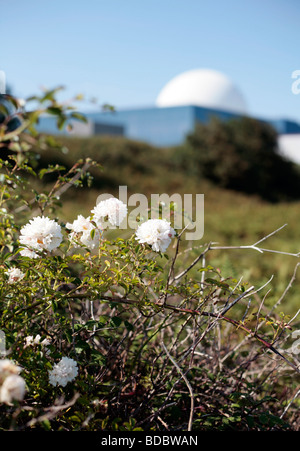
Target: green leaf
point(79, 116)
point(116, 321)
point(46, 425)
point(61, 121)
point(54, 110)
point(128, 325)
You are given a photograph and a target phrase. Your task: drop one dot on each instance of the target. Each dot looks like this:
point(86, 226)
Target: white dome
point(205, 88)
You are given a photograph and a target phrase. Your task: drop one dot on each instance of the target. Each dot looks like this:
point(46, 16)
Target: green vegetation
point(242, 154)
point(193, 338)
point(232, 218)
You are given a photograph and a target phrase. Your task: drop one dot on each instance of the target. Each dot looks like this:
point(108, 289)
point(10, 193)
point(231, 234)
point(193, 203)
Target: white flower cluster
point(84, 231)
point(30, 341)
point(40, 234)
point(158, 233)
point(44, 234)
point(12, 385)
point(14, 275)
point(63, 372)
point(112, 210)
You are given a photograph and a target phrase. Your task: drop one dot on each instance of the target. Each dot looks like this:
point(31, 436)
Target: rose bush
point(129, 334)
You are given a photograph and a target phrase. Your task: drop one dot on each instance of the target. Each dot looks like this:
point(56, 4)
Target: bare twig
point(59, 191)
point(190, 423)
point(243, 295)
point(290, 403)
point(292, 280)
point(53, 411)
point(259, 310)
point(197, 259)
point(255, 246)
point(176, 254)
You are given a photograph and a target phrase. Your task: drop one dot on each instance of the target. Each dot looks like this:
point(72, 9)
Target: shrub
point(125, 334)
point(242, 154)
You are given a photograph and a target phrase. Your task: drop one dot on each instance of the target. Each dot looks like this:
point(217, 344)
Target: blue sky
point(124, 52)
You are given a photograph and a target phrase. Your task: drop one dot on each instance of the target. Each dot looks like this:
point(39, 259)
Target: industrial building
point(191, 97)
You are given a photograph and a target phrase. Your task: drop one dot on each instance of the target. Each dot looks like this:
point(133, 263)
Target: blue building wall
point(158, 126)
point(285, 126)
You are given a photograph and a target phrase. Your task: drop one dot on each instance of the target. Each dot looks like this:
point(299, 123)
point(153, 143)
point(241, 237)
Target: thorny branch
point(52, 411)
point(187, 383)
point(182, 310)
point(255, 246)
point(216, 315)
point(211, 247)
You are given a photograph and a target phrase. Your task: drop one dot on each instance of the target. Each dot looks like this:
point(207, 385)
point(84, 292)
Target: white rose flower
point(111, 209)
point(12, 389)
point(8, 368)
point(41, 233)
point(14, 275)
point(82, 230)
point(45, 342)
point(29, 341)
point(63, 372)
point(158, 233)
